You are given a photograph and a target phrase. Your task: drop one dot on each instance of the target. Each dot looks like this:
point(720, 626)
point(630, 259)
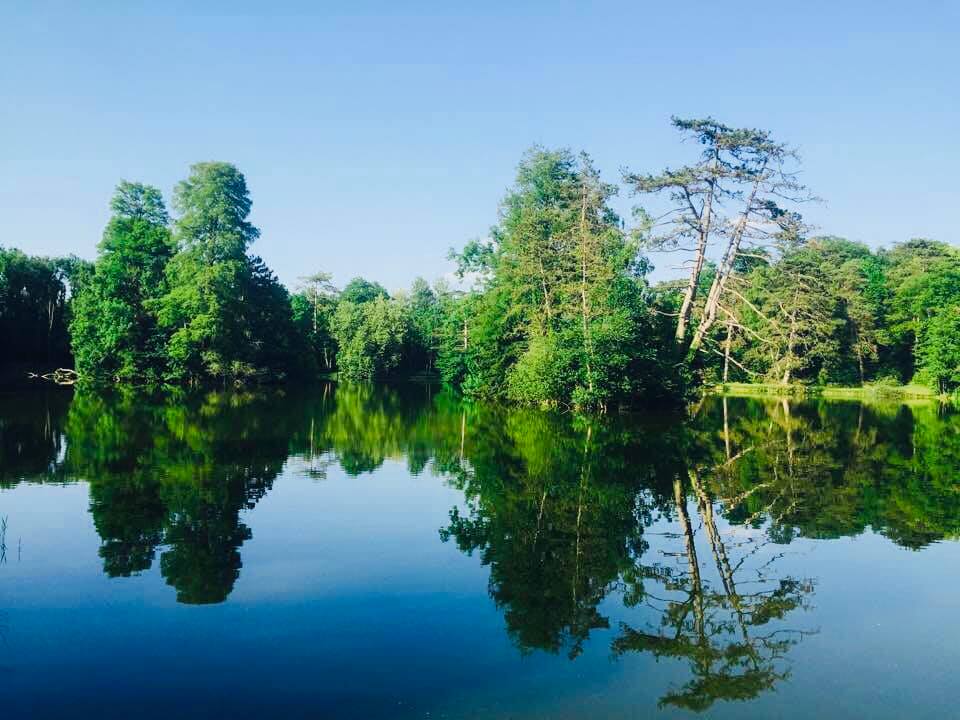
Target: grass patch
point(867, 392)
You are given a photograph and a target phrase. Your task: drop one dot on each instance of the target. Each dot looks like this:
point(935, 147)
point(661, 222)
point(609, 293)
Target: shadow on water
point(681, 525)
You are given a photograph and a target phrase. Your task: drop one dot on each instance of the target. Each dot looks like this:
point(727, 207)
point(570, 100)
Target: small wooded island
point(560, 310)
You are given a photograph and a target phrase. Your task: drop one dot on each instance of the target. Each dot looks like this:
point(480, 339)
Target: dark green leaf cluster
point(35, 308)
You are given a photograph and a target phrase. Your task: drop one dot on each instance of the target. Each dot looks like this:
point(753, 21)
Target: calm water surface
point(374, 552)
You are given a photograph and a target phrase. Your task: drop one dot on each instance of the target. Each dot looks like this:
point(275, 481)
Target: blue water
point(393, 553)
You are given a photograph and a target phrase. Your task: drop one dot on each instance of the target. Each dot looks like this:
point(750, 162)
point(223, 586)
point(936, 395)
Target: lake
point(393, 552)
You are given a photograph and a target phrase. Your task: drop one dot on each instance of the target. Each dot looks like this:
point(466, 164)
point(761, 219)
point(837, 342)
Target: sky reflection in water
point(367, 551)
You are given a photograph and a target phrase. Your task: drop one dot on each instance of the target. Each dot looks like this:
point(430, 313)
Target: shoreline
point(898, 393)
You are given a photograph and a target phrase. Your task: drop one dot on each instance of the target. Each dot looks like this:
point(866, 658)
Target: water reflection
point(557, 511)
point(827, 470)
point(31, 435)
point(176, 475)
point(664, 537)
point(726, 630)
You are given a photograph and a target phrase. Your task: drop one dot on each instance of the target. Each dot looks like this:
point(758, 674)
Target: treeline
point(834, 312)
point(183, 301)
point(765, 300)
point(559, 311)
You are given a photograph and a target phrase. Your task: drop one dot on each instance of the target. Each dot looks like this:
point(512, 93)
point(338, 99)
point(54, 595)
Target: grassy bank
point(866, 392)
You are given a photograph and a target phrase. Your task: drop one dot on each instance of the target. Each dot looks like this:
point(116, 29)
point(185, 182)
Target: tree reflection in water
point(176, 476)
point(667, 538)
point(560, 513)
point(727, 630)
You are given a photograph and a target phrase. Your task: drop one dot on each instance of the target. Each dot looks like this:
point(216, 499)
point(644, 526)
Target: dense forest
point(559, 310)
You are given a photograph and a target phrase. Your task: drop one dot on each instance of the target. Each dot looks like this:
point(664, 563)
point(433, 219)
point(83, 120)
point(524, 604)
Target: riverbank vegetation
point(879, 392)
point(559, 308)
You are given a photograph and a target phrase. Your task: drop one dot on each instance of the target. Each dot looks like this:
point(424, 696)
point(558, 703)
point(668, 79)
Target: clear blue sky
point(374, 136)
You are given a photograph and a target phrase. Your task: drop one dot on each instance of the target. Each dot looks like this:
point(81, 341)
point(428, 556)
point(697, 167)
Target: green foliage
point(136, 201)
point(830, 311)
point(544, 371)
point(359, 291)
point(226, 315)
point(803, 337)
point(214, 203)
point(939, 351)
point(561, 315)
point(313, 309)
point(187, 306)
point(476, 344)
point(34, 308)
point(370, 337)
point(114, 334)
point(426, 310)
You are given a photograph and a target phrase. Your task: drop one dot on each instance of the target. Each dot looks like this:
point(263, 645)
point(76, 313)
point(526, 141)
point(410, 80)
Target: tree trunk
point(584, 480)
point(726, 353)
point(720, 556)
point(791, 339)
point(584, 304)
point(725, 268)
point(696, 586)
point(690, 293)
point(726, 429)
point(546, 293)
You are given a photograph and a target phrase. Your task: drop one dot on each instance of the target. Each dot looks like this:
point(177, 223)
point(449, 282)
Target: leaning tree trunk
point(726, 352)
point(791, 340)
point(690, 292)
point(725, 269)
